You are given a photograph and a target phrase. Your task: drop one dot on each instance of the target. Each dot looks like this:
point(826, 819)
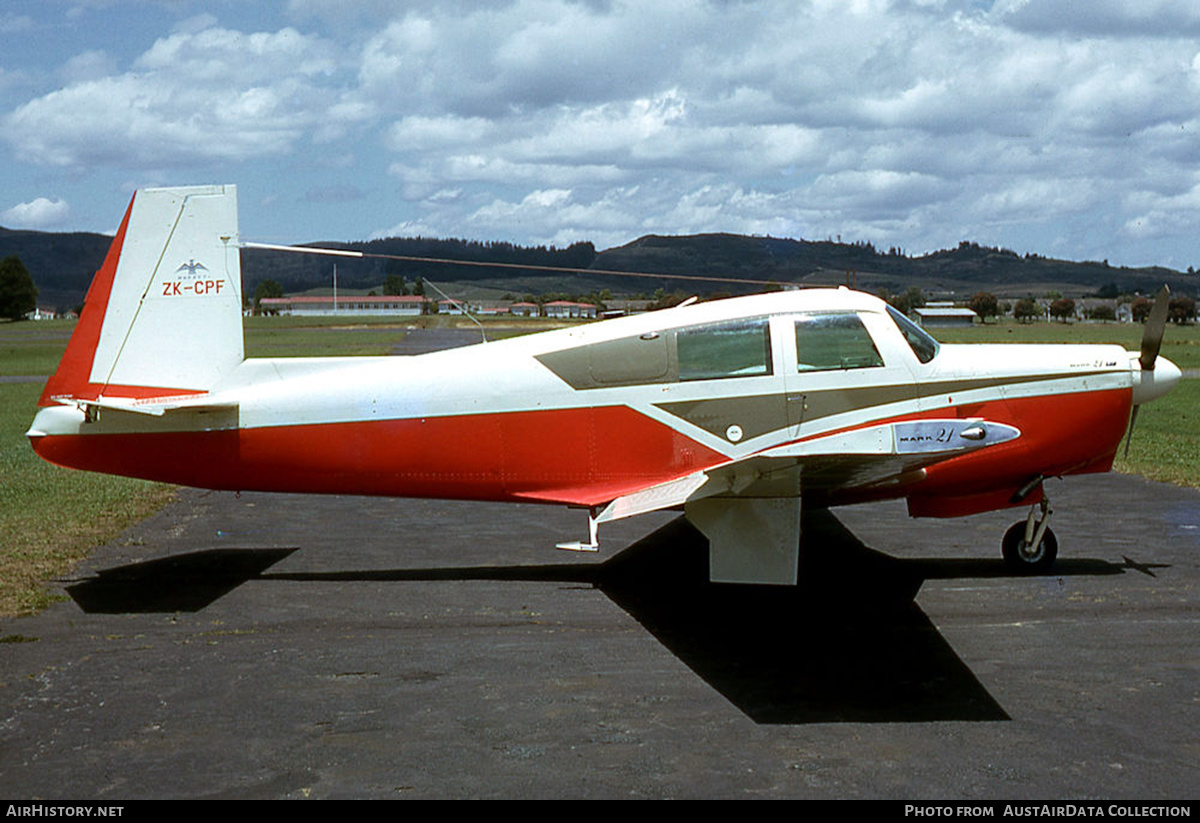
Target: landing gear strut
point(1029, 546)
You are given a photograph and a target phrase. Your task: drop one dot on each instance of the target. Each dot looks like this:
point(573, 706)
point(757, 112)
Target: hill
point(62, 265)
point(960, 272)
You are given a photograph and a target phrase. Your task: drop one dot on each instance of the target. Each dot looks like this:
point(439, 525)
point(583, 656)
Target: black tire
point(1018, 556)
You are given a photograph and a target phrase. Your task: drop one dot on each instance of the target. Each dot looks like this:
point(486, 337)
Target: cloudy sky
point(1065, 128)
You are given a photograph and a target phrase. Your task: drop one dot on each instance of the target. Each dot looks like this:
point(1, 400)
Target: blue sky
point(1070, 129)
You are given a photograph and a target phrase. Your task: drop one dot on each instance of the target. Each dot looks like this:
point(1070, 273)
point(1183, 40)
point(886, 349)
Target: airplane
point(734, 410)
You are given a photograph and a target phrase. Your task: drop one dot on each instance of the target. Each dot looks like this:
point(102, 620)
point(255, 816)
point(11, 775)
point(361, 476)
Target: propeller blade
point(1156, 324)
point(1129, 437)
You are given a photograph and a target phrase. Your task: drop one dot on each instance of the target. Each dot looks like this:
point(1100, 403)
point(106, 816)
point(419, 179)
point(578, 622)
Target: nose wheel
point(1029, 546)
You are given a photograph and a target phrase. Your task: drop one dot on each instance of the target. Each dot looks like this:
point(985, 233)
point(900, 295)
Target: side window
point(741, 348)
point(630, 361)
point(834, 341)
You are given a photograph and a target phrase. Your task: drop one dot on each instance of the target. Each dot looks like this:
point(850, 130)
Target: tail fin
point(163, 316)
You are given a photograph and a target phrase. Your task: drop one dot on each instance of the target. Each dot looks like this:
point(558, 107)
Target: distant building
point(568, 310)
point(41, 314)
point(373, 305)
point(448, 306)
point(944, 316)
point(406, 305)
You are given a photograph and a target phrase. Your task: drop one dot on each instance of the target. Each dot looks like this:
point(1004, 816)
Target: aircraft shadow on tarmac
point(179, 583)
point(848, 644)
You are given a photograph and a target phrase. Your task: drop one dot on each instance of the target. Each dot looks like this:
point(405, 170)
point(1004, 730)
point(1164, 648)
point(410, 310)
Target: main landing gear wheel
point(1029, 547)
point(1025, 558)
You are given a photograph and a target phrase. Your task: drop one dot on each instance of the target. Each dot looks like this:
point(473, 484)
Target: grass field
point(1181, 344)
point(51, 517)
point(33, 348)
point(1166, 439)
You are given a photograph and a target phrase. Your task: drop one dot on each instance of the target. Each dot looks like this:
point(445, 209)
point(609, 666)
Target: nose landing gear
point(1029, 546)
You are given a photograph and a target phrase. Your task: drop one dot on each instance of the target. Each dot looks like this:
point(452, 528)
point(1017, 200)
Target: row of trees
point(396, 285)
point(1181, 309)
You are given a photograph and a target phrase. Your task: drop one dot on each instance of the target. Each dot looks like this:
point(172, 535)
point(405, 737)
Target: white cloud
point(216, 54)
point(125, 121)
point(1163, 214)
point(41, 213)
point(481, 168)
point(419, 133)
point(555, 217)
point(210, 95)
point(876, 191)
point(913, 122)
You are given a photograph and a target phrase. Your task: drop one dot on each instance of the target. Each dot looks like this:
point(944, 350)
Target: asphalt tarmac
point(286, 646)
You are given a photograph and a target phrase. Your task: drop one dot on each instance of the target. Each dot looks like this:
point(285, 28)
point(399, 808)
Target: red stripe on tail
point(71, 378)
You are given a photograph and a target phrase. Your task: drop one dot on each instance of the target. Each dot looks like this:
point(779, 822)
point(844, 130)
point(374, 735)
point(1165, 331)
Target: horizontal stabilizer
point(156, 407)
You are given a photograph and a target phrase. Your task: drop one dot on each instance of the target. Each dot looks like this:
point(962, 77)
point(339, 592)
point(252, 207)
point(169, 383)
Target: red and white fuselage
point(824, 394)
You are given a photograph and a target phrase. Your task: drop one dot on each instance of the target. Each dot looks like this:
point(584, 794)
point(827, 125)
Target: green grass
point(306, 341)
point(36, 348)
point(1181, 344)
point(346, 337)
point(1166, 439)
point(50, 517)
point(33, 348)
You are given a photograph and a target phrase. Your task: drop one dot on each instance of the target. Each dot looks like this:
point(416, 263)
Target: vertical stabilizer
point(163, 316)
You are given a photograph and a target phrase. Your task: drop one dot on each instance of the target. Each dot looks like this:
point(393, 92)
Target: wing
point(749, 509)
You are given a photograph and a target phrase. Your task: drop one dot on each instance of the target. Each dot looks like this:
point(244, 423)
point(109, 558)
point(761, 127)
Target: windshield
point(923, 346)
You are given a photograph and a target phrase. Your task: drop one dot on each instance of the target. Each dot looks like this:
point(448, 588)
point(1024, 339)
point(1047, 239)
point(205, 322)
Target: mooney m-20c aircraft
point(733, 410)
